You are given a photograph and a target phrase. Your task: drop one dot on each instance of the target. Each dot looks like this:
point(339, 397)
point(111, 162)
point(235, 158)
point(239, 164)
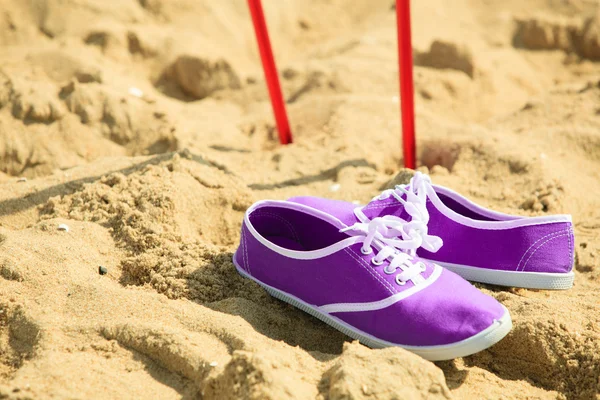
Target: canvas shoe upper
point(479, 244)
point(364, 280)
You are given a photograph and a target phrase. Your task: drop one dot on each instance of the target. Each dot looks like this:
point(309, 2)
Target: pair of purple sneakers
point(375, 272)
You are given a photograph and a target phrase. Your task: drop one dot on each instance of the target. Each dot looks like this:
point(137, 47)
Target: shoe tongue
point(379, 208)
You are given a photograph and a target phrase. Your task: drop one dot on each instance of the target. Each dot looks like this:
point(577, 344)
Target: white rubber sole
point(481, 341)
point(523, 279)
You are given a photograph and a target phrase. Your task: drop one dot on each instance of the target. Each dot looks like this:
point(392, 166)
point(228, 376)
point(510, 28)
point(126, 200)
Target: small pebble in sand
point(335, 187)
point(213, 364)
point(22, 179)
point(136, 92)
point(102, 270)
point(63, 227)
point(395, 99)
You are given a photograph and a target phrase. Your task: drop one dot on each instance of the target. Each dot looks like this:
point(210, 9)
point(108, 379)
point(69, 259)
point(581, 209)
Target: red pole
point(268, 63)
point(406, 82)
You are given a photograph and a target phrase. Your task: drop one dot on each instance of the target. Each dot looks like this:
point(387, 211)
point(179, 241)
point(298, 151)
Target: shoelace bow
point(415, 205)
point(389, 236)
point(398, 239)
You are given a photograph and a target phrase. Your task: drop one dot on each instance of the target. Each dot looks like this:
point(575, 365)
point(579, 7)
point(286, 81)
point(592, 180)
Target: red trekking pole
point(268, 63)
point(406, 82)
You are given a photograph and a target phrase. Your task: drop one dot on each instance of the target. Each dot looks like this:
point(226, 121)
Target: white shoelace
point(388, 235)
point(415, 205)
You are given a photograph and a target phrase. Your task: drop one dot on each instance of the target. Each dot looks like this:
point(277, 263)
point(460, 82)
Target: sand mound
point(165, 226)
point(70, 118)
point(199, 78)
point(346, 379)
point(547, 33)
point(149, 134)
point(447, 55)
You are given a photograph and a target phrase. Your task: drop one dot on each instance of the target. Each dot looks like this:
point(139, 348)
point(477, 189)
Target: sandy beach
point(145, 127)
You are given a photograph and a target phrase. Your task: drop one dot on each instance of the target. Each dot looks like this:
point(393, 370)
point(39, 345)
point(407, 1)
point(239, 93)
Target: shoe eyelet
point(422, 266)
point(375, 262)
point(388, 272)
point(399, 282)
point(367, 251)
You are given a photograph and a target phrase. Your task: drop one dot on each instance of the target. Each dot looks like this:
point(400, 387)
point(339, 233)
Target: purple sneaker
point(479, 244)
point(364, 280)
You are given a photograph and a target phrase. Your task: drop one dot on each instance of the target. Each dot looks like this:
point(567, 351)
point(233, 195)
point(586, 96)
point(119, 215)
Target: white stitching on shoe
point(387, 285)
point(379, 205)
point(247, 265)
point(287, 223)
point(541, 245)
point(534, 243)
point(571, 258)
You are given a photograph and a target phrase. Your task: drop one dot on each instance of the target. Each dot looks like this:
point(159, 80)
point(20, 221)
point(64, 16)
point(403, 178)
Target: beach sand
point(145, 127)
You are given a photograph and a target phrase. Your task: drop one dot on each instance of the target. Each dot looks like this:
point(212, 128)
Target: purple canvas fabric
point(450, 306)
point(536, 248)
point(542, 247)
point(446, 311)
point(346, 276)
